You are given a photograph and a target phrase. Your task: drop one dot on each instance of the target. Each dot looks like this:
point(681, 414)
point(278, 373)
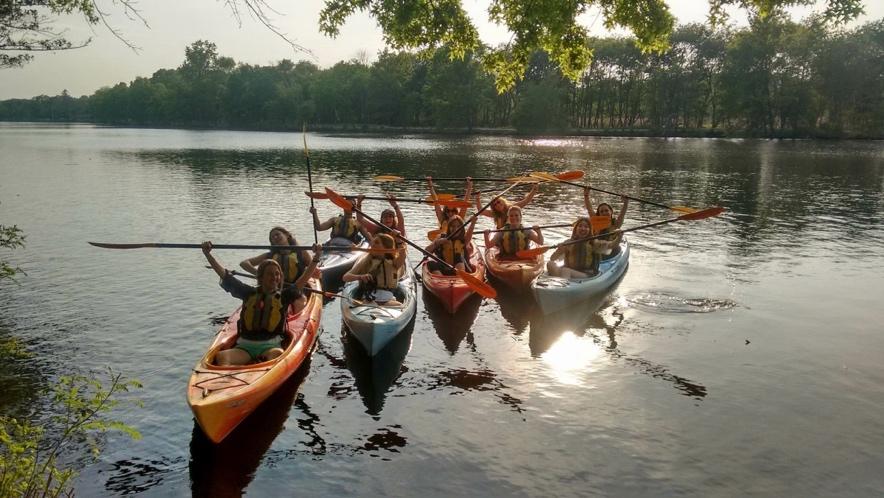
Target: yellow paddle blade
point(531, 253)
point(316, 195)
point(522, 179)
point(477, 285)
point(684, 209)
point(440, 197)
point(338, 200)
point(388, 178)
point(542, 175)
point(599, 223)
point(434, 234)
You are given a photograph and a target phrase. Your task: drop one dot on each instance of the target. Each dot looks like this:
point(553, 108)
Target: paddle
point(477, 285)
point(440, 199)
point(565, 175)
point(553, 178)
point(306, 289)
point(309, 179)
point(598, 223)
point(697, 215)
point(432, 234)
point(161, 245)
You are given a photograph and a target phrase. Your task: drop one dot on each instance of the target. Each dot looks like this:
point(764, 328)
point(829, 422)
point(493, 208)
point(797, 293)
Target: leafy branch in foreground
point(29, 461)
point(10, 238)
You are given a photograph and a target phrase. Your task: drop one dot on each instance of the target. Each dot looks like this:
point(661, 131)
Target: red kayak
point(452, 290)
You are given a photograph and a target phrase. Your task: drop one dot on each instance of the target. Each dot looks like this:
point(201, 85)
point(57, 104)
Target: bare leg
point(566, 272)
point(233, 356)
point(270, 354)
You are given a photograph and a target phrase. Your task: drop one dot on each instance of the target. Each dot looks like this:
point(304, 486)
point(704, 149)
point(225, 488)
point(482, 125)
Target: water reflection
point(451, 328)
point(516, 307)
point(374, 375)
point(225, 469)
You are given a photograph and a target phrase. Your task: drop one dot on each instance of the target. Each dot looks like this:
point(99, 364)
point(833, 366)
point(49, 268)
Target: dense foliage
point(772, 78)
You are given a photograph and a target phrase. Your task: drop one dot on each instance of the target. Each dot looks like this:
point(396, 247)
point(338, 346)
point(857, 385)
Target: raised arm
point(207, 251)
point(484, 212)
point(468, 233)
point(587, 201)
point(311, 268)
point(400, 220)
point(624, 204)
point(527, 199)
point(251, 265)
point(536, 235)
point(321, 227)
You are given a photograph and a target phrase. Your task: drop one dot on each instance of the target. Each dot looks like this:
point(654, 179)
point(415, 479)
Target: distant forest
point(774, 78)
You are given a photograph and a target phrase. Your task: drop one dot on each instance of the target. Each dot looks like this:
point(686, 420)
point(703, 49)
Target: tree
point(547, 25)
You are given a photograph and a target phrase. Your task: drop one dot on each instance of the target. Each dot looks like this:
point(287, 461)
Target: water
point(739, 355)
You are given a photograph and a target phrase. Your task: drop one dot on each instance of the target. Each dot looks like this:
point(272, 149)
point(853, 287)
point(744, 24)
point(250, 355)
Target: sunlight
point(570, 357)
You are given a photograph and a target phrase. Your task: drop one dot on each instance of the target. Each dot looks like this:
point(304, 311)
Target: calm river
point(740, 355)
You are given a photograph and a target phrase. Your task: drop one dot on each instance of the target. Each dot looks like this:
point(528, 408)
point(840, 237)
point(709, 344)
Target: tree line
point(773, 78)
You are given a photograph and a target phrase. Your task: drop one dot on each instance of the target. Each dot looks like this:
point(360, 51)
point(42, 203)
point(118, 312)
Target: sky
point(175, 24)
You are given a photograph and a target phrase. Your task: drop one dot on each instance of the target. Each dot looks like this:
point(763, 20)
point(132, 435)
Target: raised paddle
point(554, 178)
point(697, 215)
point(309, 179)
point(598, 223)
point(439, 200)
point(306, 289)
point(477, 285)
point(162, 245)
point(565, 175)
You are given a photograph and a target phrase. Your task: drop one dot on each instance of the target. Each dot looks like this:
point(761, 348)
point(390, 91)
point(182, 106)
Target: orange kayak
point(452, 290)
point(222, 397)
point(516, 273)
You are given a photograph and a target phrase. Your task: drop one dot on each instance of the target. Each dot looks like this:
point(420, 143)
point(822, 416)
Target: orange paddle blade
point(453, 203)
point(317, 195)
point(440, 197)
point(434, 234)
point(599, 223)
point(705, 213)
point(570, 175)
point(338, 200)
point(388, 178)
point(477, 285)
point(531, 253)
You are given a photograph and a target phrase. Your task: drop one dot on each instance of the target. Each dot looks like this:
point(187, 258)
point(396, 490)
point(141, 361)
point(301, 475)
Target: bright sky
point(174, 24)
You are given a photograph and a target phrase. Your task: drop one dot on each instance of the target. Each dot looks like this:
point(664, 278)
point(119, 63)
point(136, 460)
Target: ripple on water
point(663, 302)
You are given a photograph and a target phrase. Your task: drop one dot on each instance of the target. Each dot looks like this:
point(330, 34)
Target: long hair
point(388, 242)
point(597, 208)
point(450, 229)
point(580, 219)
point(288, 236)
point(262, 268)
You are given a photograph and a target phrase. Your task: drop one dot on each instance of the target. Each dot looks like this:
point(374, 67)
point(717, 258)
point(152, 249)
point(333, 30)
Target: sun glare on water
point(571, 357)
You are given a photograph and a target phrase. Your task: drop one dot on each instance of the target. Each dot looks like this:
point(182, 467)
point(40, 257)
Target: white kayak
point(334, 264)
point(555, 293)
point(373, 325)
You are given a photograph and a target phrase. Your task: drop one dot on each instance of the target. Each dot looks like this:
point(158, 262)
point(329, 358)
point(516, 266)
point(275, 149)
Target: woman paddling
point(292, 263)
point(262, 319)
point(454, 250)
point(514, 237)
point(581, 260)
point(390, 218)
point(378, 274)
point(500, 207)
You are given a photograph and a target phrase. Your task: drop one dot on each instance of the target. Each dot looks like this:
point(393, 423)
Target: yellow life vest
point(292, 265)
point(581, 257)
point(451, 251)
point(384, 272)
point(345, 226)
point(511, 242)
point(263, 312)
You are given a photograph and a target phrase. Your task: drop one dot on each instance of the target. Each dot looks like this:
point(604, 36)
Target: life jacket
point(581, 257)
point(262, 313)
point(292, 265)
point(345, 227)
point(451, 251)
point(384, 272)
point(511, 242)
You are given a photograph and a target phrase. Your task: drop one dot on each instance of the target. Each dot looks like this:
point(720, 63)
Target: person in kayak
point(345, 229)
point(293, 263)
point(378, 274)
point(581, 260)
point(444, 213)
point(454, 250)
point(604, 209)
point(500, 208)
point(390, 218)
point(515, 237)
point(262, 319)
